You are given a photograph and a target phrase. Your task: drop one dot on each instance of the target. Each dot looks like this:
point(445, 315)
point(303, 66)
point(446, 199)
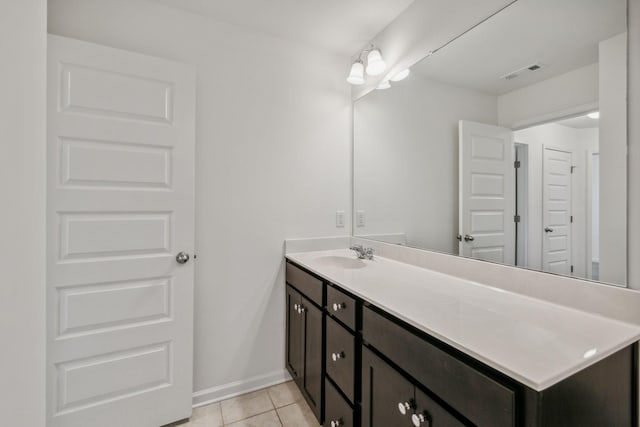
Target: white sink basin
point(341, 262)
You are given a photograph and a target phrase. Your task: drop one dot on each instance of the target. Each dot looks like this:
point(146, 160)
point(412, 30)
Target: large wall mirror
point(508, 144)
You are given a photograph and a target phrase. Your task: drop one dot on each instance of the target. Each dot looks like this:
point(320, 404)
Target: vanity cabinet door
point(385, 394)
point(294, 334)
point(337, 413)
point(340, 355)
point(304, 347)
point(312, 380)
point(428, 413)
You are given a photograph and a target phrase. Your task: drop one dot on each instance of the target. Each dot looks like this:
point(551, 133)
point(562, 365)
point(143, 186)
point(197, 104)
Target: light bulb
point(356, 76)
point(401, 75)
point(384, 85)
point(594, 115)
point(375, 63)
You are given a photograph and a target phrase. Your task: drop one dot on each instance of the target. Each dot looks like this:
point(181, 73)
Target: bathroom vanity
point(381, 343)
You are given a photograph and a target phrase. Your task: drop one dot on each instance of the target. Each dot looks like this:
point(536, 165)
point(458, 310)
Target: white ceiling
point(562, 35)
point(580, 122)
point(341, 26)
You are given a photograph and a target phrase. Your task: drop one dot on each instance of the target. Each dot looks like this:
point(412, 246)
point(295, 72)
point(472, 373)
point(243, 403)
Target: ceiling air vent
point(517, 73)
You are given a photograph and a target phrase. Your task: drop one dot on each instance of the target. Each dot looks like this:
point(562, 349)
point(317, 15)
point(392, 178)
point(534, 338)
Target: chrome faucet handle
point(368, 253)
point(359, 250)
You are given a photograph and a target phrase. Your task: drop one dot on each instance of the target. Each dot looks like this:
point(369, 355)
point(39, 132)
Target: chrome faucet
point(362, 252)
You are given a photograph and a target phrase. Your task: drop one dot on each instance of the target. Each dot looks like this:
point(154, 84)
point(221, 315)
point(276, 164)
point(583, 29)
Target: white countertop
point(533, 341)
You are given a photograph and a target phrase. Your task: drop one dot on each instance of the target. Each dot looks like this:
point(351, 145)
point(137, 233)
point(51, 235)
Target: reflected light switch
point(360, 221)
point(339, 219)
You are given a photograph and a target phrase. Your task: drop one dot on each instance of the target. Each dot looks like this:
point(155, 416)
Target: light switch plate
point(360, 220)
point(339, 219)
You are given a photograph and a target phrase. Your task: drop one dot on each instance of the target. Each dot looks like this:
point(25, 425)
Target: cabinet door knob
point(295, 307)
point(301, 309)
point(420, 419)
point(337, 356)
point(337, 423)
point(339, 306)
point(403, 407)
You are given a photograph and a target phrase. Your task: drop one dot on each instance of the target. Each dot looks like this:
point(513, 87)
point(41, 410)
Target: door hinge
point(516, 218)
point(571, 219)
point(573, 168)
point(572, 268)
point(516, 164)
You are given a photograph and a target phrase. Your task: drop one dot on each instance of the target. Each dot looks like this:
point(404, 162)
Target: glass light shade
point(356, 76)
point(375, 63)
point(401, 75)
point(384, 85)
point(594, 115)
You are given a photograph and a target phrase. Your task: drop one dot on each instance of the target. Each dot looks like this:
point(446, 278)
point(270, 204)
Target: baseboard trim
point(236, 388)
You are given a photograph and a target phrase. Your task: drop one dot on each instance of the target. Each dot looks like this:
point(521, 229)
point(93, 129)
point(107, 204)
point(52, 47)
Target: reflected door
point(487, 193)
point(556, 211)
point(120, 190)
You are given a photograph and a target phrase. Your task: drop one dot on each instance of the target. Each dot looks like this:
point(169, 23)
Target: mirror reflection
point(506, 145)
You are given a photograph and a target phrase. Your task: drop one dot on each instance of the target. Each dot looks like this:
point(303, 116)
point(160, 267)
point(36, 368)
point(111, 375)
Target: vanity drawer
point(336, 409)
point(309, 285)
point(341, 350)
point(342, 306)
point(482, 400)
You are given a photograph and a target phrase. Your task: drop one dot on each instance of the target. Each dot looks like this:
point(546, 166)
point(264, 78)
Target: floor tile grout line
point(275, 408)
point(246, 418)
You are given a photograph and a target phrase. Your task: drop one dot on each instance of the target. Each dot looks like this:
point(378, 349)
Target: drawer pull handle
point(337, 356)
point(420, 419)
point(403, 407)
point(337, 423)
point(339, 306)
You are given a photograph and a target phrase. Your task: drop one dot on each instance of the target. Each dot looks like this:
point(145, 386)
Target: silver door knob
point(548, 230)
point(337, 423)
point(419, 419)
point(295, 307)
point(337, 356)
point(404, 407)
point(468, 238)
point(338, 307)
point(301, 309)
point(182, 258)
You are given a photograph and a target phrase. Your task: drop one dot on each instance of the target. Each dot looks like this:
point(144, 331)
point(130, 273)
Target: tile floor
point(278, 406)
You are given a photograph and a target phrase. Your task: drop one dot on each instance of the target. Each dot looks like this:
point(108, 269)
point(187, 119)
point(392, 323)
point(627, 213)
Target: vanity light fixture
point(594, 115)
point(384, 85)
point(401, 75)
point(356, 76)
point(375, 63)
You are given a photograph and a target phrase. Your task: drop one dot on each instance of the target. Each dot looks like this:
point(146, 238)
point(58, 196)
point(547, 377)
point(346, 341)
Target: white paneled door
point(487, 193)
point(556, 211)
point(120, 208)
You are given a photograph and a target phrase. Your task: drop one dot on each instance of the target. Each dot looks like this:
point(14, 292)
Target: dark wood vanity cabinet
point(305, 332)
point(389, 399)
point(360, 366)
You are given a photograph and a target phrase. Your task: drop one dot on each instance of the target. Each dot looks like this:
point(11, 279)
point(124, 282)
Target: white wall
point(550, 99)
point(578, 142)
point(633, 173)
point(613, 160)
point(22, 217)
point(273, 162)
point(406, 146)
